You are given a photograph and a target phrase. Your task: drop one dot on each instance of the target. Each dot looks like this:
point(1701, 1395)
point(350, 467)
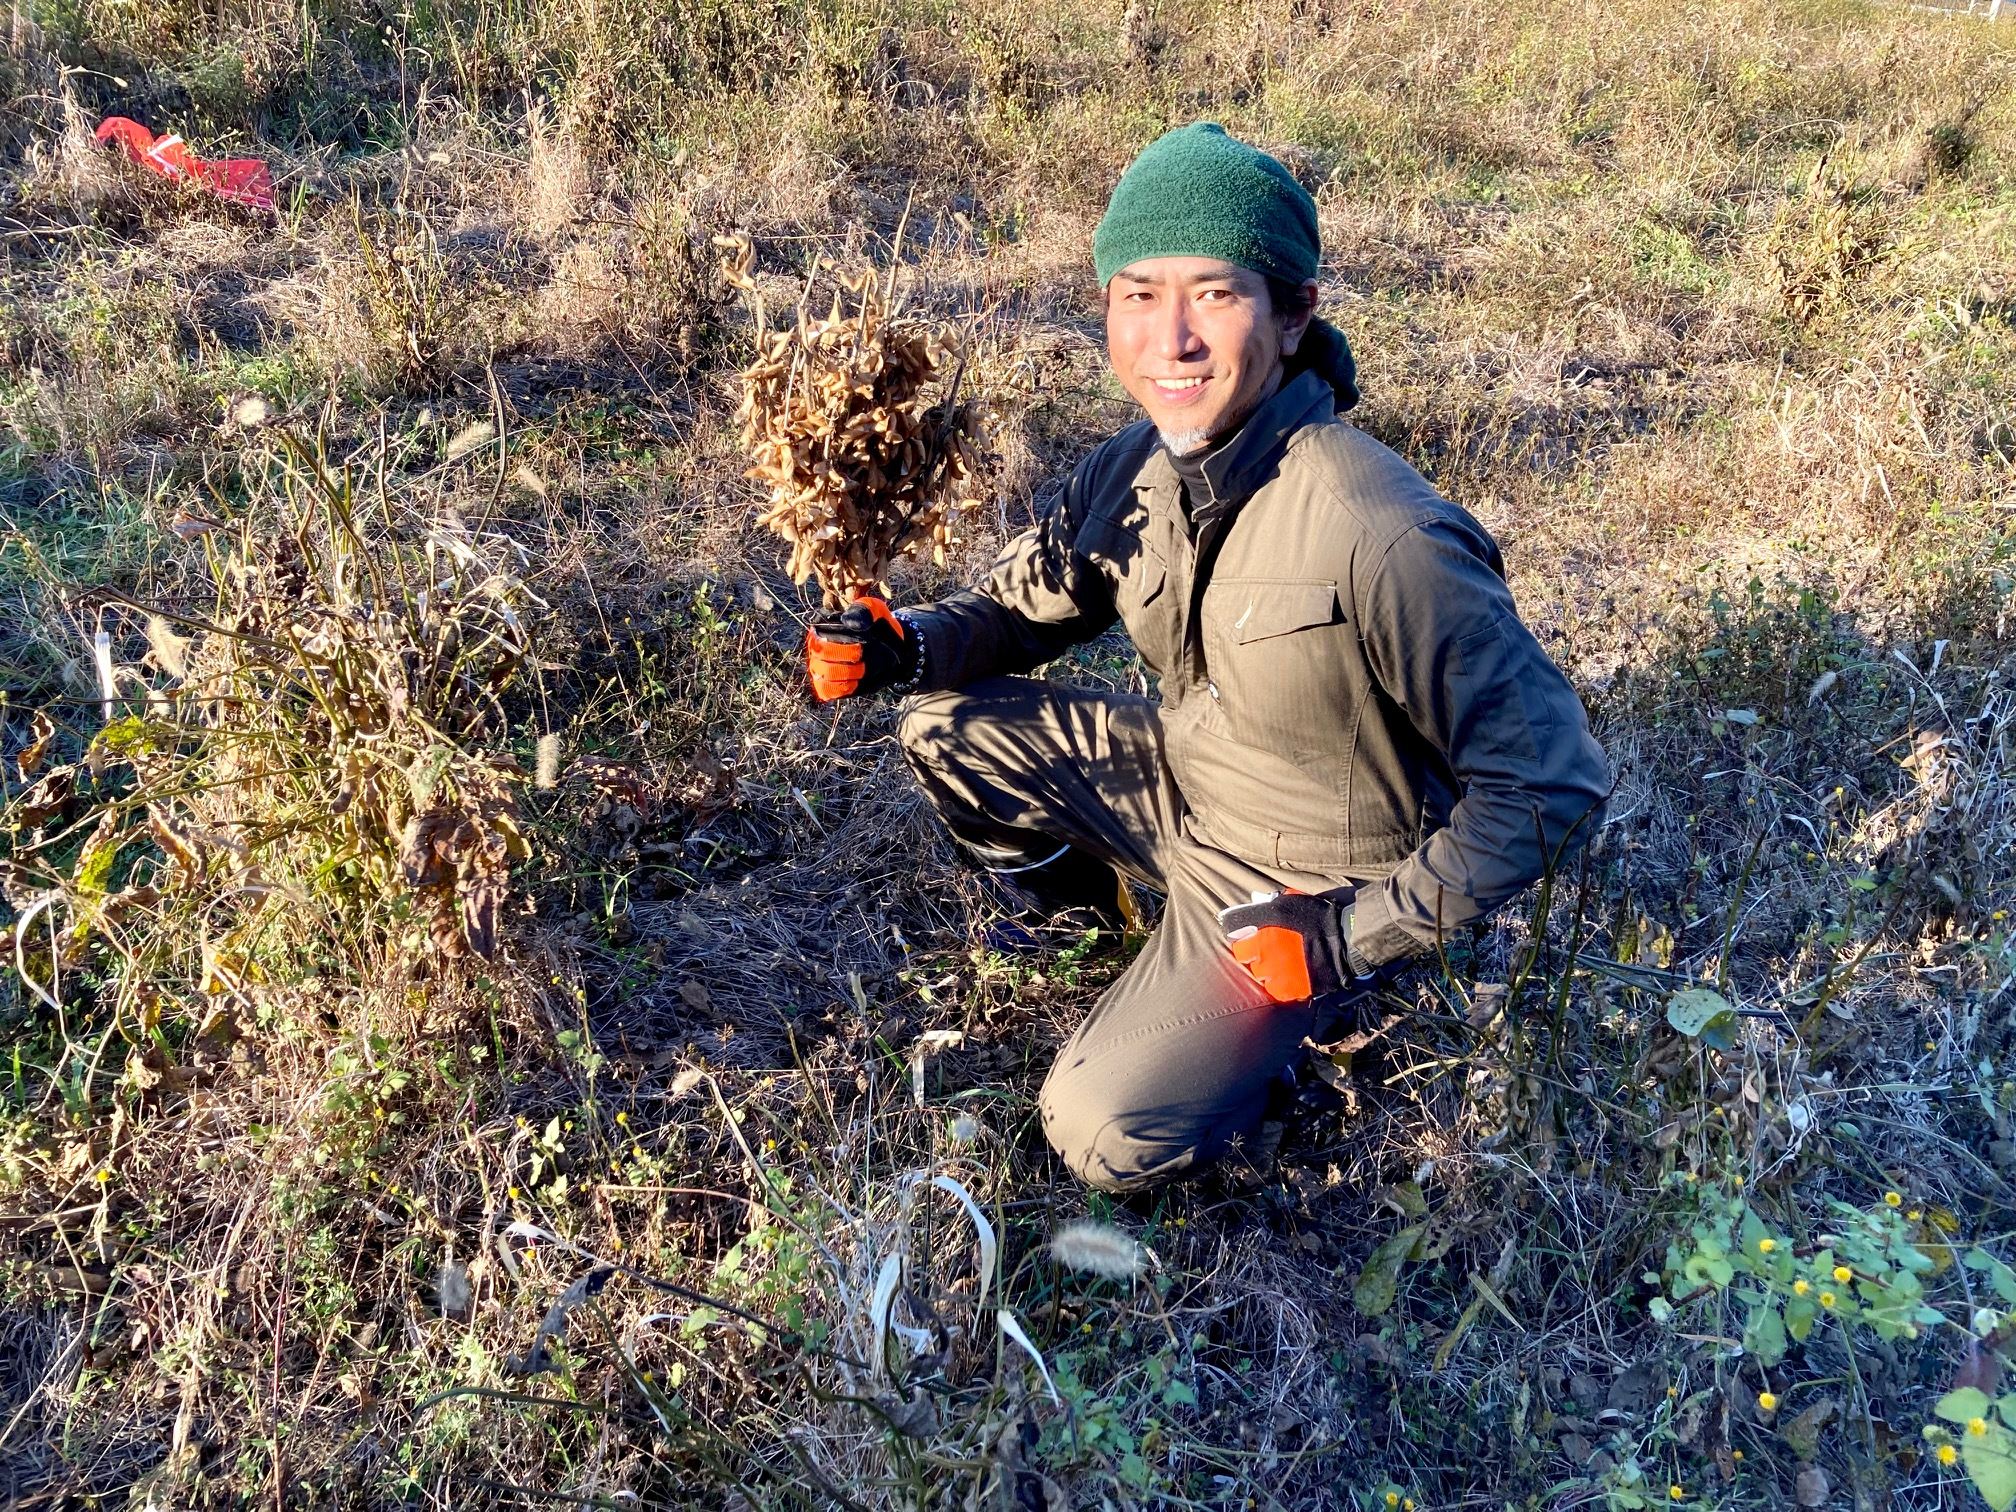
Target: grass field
point(478, 1037)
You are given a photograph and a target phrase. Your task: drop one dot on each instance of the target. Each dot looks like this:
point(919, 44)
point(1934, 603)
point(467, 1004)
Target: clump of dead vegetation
point(314, 749)
point(863, 468)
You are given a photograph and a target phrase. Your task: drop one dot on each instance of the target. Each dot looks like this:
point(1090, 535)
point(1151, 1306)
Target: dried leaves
point(862, 466)
point(29, 762)
point(456, 858)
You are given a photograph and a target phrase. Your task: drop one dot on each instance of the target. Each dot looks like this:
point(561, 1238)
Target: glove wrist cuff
point(914, 643)
point(1354, 959)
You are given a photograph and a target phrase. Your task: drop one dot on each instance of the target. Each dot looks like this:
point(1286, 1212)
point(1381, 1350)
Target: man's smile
point(1179, 390)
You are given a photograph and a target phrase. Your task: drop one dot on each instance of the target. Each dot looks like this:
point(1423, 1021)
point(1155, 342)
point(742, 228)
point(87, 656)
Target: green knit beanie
point(1196, 192)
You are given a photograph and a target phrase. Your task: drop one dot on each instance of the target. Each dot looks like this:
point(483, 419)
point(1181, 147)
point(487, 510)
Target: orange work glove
point(1296, 945)
point(863, 649)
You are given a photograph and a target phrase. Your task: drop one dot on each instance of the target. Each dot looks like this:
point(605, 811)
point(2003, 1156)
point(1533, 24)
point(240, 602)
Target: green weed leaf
point(1765, 1337)
point(1708, 1265)
point(1990, 1461)
point(1962, 1406)
point(1799, 1315)
point(2000, 1276)
point(1379, 1283)
point(1703, 1014)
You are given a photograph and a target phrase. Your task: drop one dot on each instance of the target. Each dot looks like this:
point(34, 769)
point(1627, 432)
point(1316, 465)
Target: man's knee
point(1110, 1142)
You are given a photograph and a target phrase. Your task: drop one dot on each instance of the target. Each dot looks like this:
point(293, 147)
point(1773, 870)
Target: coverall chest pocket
point(1280, 656)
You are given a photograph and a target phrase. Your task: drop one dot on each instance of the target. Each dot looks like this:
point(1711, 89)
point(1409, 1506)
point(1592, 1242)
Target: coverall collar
point(1235, 469)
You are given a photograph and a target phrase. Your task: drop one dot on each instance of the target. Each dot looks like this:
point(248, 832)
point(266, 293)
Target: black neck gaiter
point(1190, 472)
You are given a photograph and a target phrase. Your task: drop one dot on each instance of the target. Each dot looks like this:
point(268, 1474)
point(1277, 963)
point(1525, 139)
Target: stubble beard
point(1182, 443)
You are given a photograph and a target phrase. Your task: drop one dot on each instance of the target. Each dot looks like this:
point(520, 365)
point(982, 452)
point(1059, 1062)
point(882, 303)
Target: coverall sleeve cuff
point(920, 646)
point(1375, 938)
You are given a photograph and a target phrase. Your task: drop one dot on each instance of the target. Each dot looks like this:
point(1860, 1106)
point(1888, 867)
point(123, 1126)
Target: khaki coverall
point(1347, 699)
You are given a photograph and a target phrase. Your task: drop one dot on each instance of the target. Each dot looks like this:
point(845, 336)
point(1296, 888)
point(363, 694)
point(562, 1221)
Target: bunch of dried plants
point(863, 468)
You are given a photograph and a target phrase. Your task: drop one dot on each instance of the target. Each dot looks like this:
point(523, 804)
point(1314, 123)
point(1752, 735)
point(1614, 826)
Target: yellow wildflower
point(1765, 1246)
point(1801, 1286)
point(1392, 1498)
point(1843, 1274)
point(1678, 1493)
point(1827, 1299)
point(1767, 1401)
point(1977, 1427)
point(1948, 1455)
point(1893, 1199)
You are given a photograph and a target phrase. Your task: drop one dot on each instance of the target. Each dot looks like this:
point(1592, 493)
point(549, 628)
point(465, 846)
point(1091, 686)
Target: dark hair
point(1322, 350)
point(1290, 300)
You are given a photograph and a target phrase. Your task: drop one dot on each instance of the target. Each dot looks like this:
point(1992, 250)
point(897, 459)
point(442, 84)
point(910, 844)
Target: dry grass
point(1706, 311)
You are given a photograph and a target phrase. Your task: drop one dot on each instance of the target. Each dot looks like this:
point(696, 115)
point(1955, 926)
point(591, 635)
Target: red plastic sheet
point(242, 181)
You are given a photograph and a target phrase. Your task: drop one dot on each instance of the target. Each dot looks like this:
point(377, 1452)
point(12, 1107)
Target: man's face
point(1196, 343)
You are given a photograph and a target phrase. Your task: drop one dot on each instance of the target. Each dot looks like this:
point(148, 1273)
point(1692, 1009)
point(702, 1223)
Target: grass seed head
point(1098, 1249)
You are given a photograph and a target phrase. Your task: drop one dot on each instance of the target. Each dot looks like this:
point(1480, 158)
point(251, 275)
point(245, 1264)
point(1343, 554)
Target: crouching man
point(1358, 745)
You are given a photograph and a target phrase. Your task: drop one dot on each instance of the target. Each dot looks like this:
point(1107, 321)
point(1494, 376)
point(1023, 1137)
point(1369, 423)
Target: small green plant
point(1386, 1497)
point(1982, 1440)
point(1871, 1270)
point(1628, 1486)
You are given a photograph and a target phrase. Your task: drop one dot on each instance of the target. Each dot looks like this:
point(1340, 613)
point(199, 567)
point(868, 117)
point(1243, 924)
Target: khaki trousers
point(1172, 1066)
